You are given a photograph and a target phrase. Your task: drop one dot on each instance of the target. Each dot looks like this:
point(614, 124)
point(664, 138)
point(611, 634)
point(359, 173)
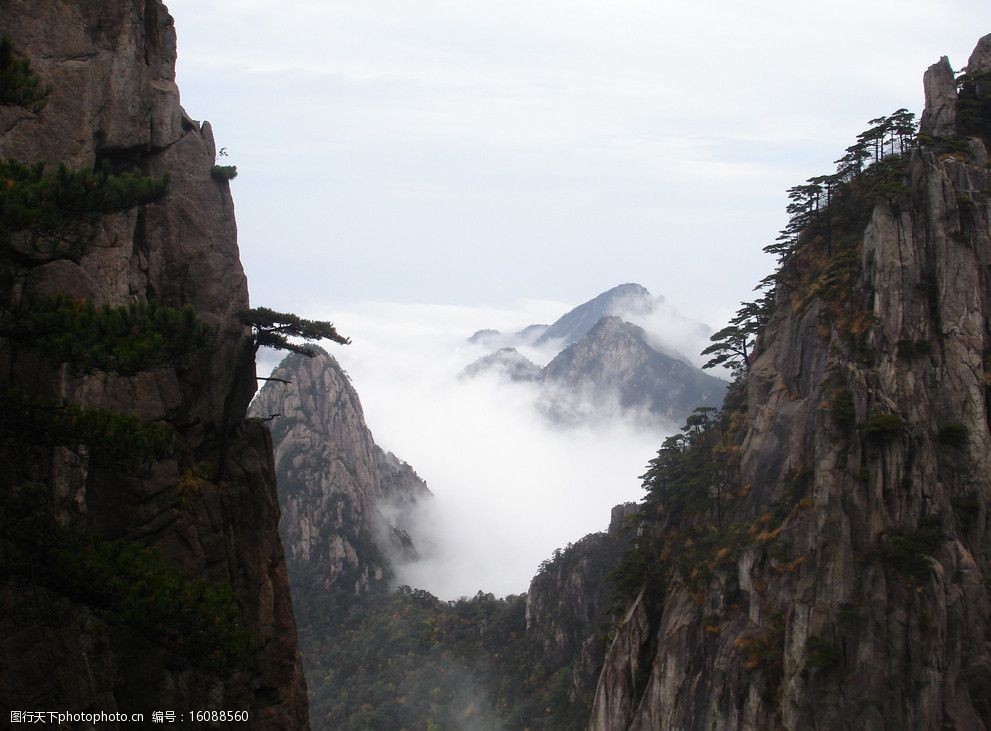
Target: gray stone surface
point(111, 70)
point(576, 323)
point(568, 603)
point(939, 84)
point(980, 59)
point(344, 500)
point(911, 655)
point(506, 363)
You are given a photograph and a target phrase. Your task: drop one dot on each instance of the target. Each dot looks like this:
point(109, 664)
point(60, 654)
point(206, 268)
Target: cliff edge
point(831, 566)
point(160, 586)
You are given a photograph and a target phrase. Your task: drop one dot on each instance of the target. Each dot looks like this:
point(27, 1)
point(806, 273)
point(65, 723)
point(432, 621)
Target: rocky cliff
point(506, 363)
point(80, 630)
point(569, 601)
point(833, 570)
point(345, 503)
point(344, 499)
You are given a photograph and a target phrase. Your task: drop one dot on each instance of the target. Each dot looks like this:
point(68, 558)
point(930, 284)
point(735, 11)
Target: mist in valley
point(510, 485)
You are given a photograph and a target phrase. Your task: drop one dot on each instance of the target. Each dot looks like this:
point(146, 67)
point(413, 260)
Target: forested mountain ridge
point(816, 554)
point(140, 564)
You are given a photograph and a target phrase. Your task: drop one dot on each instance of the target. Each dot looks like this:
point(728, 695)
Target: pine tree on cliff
point(51, 215)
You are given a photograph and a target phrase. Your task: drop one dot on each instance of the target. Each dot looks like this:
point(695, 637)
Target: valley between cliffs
point(815, 554)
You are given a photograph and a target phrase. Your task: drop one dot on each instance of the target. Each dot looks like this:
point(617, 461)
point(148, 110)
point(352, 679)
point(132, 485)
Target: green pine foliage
point(124, 583)
point(818, 251)
point(734, 345)
point(273, 329)
point(953, 435)
point(108, 438)
point(19, 87)
point(126, 339)
point(974, 105)
point(47, 215)
point(408, 660)
point(54, 215)
point(909, 551)
point(821, 654)
point(881, 427)
point(842, 410)
point(224, 172)
point(689, 485)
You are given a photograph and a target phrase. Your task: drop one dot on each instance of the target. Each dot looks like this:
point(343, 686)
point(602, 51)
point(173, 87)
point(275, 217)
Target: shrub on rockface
point(223, 172)
point(54, 215)
point(126, 339)
point(19, 86)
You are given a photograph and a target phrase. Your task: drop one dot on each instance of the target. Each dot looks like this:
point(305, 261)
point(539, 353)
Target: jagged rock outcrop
point(568, 603)
point(980, 59)
point(940, 87)
point(113, 99)
point(614, 364)
point(343, 498)
point(495, 339)
point(860, 599)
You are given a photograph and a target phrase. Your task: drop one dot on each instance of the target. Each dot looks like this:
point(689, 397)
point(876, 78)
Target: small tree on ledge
point(273, 329)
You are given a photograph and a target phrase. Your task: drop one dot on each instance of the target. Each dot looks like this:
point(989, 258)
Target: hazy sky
point(415, 171)
point(452, 151)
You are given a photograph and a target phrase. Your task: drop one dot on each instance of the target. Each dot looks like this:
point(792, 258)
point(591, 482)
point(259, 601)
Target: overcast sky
point(460, 152)
point(415, 171)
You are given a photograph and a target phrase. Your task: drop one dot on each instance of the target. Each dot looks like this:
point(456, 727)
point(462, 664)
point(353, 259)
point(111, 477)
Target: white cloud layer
point(510, 488)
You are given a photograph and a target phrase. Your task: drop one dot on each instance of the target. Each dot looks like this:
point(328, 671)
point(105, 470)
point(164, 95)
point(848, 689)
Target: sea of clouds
point(509, 485)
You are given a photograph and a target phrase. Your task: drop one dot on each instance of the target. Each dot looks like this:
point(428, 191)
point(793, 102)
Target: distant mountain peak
point(481, 336)
point(627, 288)
point(616, 359)
point(507, 362)
point(575, 324)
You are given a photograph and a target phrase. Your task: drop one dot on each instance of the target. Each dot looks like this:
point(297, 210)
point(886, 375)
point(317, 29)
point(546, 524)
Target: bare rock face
point(568, 602)
point(624, 672)
point(344, 500)
point(113, 99)
point(939, 83)
point(874, 609)
point(980, 60)
point(575, 324)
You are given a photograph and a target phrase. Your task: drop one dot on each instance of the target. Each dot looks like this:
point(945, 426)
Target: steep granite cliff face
point(343, 498)
point(568, 604)
point(209, 510)
point(844, 581)
point(344, 504)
